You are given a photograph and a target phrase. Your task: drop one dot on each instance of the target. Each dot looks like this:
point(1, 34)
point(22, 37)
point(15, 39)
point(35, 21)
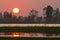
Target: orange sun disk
point(15, 10)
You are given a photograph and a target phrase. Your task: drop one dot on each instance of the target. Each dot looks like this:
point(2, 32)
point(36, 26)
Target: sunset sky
point(26, 5)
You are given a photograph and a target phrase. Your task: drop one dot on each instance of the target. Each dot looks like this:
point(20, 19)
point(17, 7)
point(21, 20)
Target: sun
point(15, 10)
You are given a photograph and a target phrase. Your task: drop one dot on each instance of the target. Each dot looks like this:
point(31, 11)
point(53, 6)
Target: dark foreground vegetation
point(29, 38)
point(48, 30)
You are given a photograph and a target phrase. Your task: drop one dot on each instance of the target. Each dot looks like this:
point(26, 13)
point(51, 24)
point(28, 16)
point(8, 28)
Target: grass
point(31, 29)
point(29, 38)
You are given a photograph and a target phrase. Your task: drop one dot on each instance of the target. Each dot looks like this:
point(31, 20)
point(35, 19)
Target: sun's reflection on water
point(20, 34)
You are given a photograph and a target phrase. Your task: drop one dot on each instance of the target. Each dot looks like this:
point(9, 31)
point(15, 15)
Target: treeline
point(50, 15)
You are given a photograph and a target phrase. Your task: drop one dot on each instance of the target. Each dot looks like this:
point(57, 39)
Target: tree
point(56, 15)
point(1, 18)
point(49, 11)
point(32, 15)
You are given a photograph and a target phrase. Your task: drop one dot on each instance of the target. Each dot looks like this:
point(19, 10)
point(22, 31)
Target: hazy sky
point(26, 5)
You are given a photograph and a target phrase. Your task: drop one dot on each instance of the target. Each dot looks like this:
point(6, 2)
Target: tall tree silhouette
point(33, 13)
point(49, 11)
point(1, 17)
point(56, 15)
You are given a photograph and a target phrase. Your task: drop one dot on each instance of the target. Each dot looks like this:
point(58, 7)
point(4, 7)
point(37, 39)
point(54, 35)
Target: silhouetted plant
point(33, 13)
point(57, 15)
point(49, 11)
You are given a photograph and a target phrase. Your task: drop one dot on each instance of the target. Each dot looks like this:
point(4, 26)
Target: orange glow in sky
point(26, 5)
